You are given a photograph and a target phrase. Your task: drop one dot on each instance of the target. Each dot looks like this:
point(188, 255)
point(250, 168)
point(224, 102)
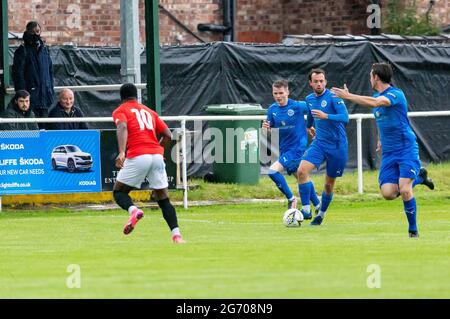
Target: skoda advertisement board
point(38, 162)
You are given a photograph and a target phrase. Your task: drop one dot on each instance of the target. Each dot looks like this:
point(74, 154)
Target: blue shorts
point(291, 160)
point(336, 157)
point(402, 164)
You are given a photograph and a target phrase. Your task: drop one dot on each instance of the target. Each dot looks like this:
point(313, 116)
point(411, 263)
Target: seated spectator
point(66, 108)
point(19, 108)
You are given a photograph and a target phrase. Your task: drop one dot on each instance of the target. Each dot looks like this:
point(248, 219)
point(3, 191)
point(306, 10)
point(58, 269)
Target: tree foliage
point(403, 19)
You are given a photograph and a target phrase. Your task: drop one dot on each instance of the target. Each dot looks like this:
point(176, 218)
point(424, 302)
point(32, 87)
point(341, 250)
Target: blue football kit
point(290, 122)
point(400, 151)
point(330, 144)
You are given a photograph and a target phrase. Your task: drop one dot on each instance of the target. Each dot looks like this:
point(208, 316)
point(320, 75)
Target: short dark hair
point(128, 91)
point(383, 70)
point(281, 84)
point(20, 94)
point(317, 71)
point(31, 25)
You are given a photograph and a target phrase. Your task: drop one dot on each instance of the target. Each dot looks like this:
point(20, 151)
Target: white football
point(292, 218)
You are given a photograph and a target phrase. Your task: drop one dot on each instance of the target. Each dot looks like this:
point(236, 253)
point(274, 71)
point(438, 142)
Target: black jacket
point(32, 71)
point(58, 111)
point(13, 111)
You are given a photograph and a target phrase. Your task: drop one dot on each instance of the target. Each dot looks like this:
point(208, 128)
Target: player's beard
point(319, 92)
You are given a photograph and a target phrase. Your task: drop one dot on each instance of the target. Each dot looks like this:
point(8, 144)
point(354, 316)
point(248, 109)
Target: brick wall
point(190, 13)
point(280, 18)
point(259, 21)
point(79, 21)
point(321, 17)
point(97, 22)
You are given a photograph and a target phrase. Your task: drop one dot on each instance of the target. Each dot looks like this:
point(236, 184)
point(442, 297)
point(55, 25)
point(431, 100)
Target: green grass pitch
point(233, 251)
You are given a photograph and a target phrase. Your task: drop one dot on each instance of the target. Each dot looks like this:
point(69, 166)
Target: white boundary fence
point(90, 88)
point(184, 119)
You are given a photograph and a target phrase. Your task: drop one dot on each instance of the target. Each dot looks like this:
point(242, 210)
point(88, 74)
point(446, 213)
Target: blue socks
point(305, 195)
point(314, 199)
point(326, 200)
point(281, 183)
point(410, 211)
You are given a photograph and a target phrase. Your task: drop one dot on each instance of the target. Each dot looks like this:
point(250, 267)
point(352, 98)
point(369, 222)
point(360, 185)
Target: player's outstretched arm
point(363, 100)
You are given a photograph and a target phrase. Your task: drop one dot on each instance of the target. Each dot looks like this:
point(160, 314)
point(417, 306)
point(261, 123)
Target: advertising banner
point(39, 162)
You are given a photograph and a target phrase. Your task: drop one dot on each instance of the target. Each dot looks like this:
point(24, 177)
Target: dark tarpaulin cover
point(218, 73)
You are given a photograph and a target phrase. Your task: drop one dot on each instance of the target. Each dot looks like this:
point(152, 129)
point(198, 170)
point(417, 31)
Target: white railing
point(103, 87)
point(183, 119)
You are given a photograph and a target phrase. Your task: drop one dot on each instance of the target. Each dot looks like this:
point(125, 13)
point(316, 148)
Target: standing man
point(330, 145)
point(400, 164)
point(288, 117)
point(32, 71)
point(65, 108)
point(141, 156)
point(19, 108)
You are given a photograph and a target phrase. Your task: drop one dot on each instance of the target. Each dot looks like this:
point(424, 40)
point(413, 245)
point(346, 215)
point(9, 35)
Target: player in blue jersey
point(287, 116)
point(400, 167)
point(330, 144)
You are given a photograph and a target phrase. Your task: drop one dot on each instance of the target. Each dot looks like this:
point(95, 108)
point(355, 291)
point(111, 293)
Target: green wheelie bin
point(236, 143)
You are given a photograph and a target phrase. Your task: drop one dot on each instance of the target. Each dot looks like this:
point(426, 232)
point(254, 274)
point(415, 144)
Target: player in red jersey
point(141, 156)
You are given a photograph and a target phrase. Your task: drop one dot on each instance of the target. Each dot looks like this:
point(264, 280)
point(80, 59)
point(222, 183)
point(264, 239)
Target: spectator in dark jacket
point(66, 108)
point(33, 71)
point(19, 108)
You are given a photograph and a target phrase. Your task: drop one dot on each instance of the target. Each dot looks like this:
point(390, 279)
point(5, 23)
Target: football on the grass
point(292, 218)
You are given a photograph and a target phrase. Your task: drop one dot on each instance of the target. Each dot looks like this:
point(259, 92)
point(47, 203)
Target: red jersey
point(143, 124)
